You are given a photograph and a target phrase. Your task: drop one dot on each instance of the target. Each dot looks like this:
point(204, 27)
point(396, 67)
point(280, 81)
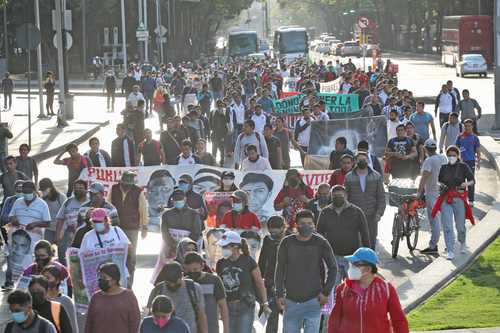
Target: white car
point(350, 49)
point(472, 64)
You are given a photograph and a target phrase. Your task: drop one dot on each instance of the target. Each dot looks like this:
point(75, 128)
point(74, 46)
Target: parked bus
point(290, 43)
point(466, 34)
point(242, 43)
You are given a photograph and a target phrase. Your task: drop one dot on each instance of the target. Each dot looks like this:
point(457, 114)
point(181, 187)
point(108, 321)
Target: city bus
point(290, 43)
point(466, 34)
point(242, 43)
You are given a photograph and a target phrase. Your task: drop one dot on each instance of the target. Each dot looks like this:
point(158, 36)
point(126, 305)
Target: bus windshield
point(293, 41)
point(242, 44)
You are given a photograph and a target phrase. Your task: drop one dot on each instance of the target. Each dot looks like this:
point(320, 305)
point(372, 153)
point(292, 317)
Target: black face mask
point(38, 299)
point(338, 202)
point(275, 235)
point(362, 164)
point(195, 276)
point(103, 284)
point(293, 182)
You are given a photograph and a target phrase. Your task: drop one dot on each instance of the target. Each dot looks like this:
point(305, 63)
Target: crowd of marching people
point(318, 260)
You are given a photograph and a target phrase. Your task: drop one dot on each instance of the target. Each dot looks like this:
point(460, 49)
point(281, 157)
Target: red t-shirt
point(246, 220)
point(295, 205)
point(337, 177)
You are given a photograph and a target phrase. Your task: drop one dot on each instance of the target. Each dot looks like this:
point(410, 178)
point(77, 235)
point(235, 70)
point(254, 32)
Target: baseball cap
point(128, 178)
point(227, 174)
point(96, 187)
point(229, 237)
point(430, 143)
point(240, 194)
point(363, 254)
point(28, 186)
point(186, 178)
point(98, 215)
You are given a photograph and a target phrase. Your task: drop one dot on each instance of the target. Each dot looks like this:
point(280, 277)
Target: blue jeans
point(298, 315)
point(241, 317)
point(430, 201)
point(449, 213)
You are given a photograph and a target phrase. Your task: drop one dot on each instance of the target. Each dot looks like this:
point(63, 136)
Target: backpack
point(191, 290)
point(43, 327)
point(460, 127)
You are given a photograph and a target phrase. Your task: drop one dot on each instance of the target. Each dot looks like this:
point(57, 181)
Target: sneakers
point(450, 255)
point(429, 250)
point(463, 248)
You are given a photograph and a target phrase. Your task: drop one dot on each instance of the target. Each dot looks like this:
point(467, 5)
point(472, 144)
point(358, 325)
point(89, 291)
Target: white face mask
point(452, 159)
point(227, 182)
point(354, 273)
point(226, 253)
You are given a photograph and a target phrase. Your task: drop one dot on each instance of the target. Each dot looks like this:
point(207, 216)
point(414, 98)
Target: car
point(350, 48)
point(471, 64)
point(257, 56)
point(337, 49)
point(322, 48)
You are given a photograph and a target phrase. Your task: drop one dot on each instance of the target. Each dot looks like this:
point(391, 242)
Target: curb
point(74, 93)
point(442, 272)
point(55, 151)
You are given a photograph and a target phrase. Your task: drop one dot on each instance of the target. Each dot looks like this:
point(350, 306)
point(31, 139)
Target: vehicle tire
point(396, 234)
point(412, 230)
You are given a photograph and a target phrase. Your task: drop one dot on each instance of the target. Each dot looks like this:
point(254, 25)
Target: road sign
point(363, 22)
point(161, 31)
point(28, 36)
point(67, 20)
point(141, 33)
point(69, 40)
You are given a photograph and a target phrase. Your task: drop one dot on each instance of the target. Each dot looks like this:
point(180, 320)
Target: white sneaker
point(463, 248)
point(450, 255)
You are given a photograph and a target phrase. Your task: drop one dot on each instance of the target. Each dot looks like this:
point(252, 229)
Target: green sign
point(334, 103)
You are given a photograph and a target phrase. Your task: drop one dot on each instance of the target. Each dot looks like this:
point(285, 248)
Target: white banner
point(330, 87)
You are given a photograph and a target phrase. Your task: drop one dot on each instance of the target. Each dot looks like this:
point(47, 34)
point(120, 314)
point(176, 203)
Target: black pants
point(272, 321)
point(218, 145)
point(372, 230)
point(471, 189)
point(49, 105)
point(133, 237)
point(5, 96)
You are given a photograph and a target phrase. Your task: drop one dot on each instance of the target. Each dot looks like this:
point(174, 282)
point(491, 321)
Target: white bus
point(242, 43)
point(290, 43)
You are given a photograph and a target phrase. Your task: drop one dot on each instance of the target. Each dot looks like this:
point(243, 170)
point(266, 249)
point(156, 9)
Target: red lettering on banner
point(316, 179)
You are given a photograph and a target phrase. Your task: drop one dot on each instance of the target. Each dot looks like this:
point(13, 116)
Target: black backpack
point(43, 327)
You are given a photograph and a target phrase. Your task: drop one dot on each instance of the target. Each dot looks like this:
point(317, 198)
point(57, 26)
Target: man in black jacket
point(123, 149)
point(128, 83)
point(110, 88)
point(343, 225)
point(219, 123)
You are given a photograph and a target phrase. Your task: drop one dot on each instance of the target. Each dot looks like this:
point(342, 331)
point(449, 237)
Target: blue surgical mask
point(238, 206)
point(184, 187)
point(19, 317)
point(28, 196)
point(99, 227)
point(179, 204)
point(19, 195)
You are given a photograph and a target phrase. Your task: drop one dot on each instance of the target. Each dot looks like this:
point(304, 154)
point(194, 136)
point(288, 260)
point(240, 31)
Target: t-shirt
point(237, 276)
point(36, 211)
point(180, 298)
point(35, 327)
point(113, 237)
point(421, 122)
point(75, 166)
point(213, 291)
point(433, 165)
point(284, 138)
point(246, 220)
point(69, 213)
point(54, 207)
point(8, 180)
point(468, 144)
point(260, 121)
point(266, 103)
point(27, 166)
point(261, 164)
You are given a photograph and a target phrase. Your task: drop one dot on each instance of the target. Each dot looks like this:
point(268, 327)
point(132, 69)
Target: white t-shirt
point(186, 160)
point(433, 165)
point(239, 111)
point(261, 164)
point(304, 136)
point(113, 237)
point(391, 129)
point(260, 122)
point(36, 211)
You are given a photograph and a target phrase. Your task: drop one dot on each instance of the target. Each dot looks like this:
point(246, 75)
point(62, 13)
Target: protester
point(186, 157)
point(450, 131)
point(9, 178)
point(193, 199)
point(285, 137)
point(240, 217)
point(321, 200)
point(113, 308)
point(27, 164)
point(253, 161)
point(382, 311)
point(24, 317)
point(273, 148)
point(163, 319)
point(54, 200)
point(150, 151)
point(123, 149)
point(400, 153)
point(242, 280)
point(170, 144)
point(422, 121)
point(365, 189)
point(302, 132)
point(187, 296)
point(201, 151)
point(446, 103)
point(338, 175)
point(98, 157)
point(227, 182)
point(301, 288)
point(249, 137)
point(467, 109)
point(221, 126)
point(470, 152)
point(75, 164)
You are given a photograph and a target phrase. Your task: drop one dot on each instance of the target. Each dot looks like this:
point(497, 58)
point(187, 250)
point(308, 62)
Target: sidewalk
point(471, 330)
point(46, 139)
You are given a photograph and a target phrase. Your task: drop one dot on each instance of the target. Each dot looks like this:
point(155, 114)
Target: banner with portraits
point(21, 248)
point(80, 296)
point(158, 183)
point(371, 129)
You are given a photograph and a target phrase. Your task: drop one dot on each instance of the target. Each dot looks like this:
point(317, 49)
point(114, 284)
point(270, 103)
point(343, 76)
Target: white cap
point(229, 237)
point(430, 143)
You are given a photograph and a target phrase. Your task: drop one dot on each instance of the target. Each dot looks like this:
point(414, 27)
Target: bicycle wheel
point(412, 227)
point(396, 234)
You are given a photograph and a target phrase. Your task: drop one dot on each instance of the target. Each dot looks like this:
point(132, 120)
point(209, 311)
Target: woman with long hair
point(54, 200)
point(242, 280)
point(294, 196)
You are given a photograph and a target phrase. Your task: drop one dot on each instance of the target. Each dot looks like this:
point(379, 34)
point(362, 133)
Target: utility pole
point(145, 20)
point(39, 62)
point(60, 55)
point(5, 37)
point(124, 38)
point(496, 18)
point(84, 38)
point(158, 27)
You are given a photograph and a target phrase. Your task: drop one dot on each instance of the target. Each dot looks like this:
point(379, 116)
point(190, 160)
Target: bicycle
point(406, 223)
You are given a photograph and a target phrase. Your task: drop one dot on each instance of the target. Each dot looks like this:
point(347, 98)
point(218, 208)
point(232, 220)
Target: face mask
point(195, 276)
point(161, 322)
point(276, 235)
point(28, 196)
point(42, 262)
point(103, 284)
point(46, 193)
point(227, 182)
point(452, 159)
point(362, 164)
point(173, 287)
point(323, 201)
point(305, 230)
point(338, 202)
point(226, 253)
point(354, 273)
point(184, 187)
point(99, 227)
point(19, 317)
point(237, 206)
point(293, 182)
point(38, 298)
point(179, 204)
point(19, 195)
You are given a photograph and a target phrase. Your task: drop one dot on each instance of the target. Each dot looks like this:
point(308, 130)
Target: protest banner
point(80, 296)
point(371, 129)
point(290, 84)
point(288, 104)
point(218, 203)
point(158, 183)
point(21, 248)
point(285, 94)
point(339, 103)
point(330, 87)
point(91, 260)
